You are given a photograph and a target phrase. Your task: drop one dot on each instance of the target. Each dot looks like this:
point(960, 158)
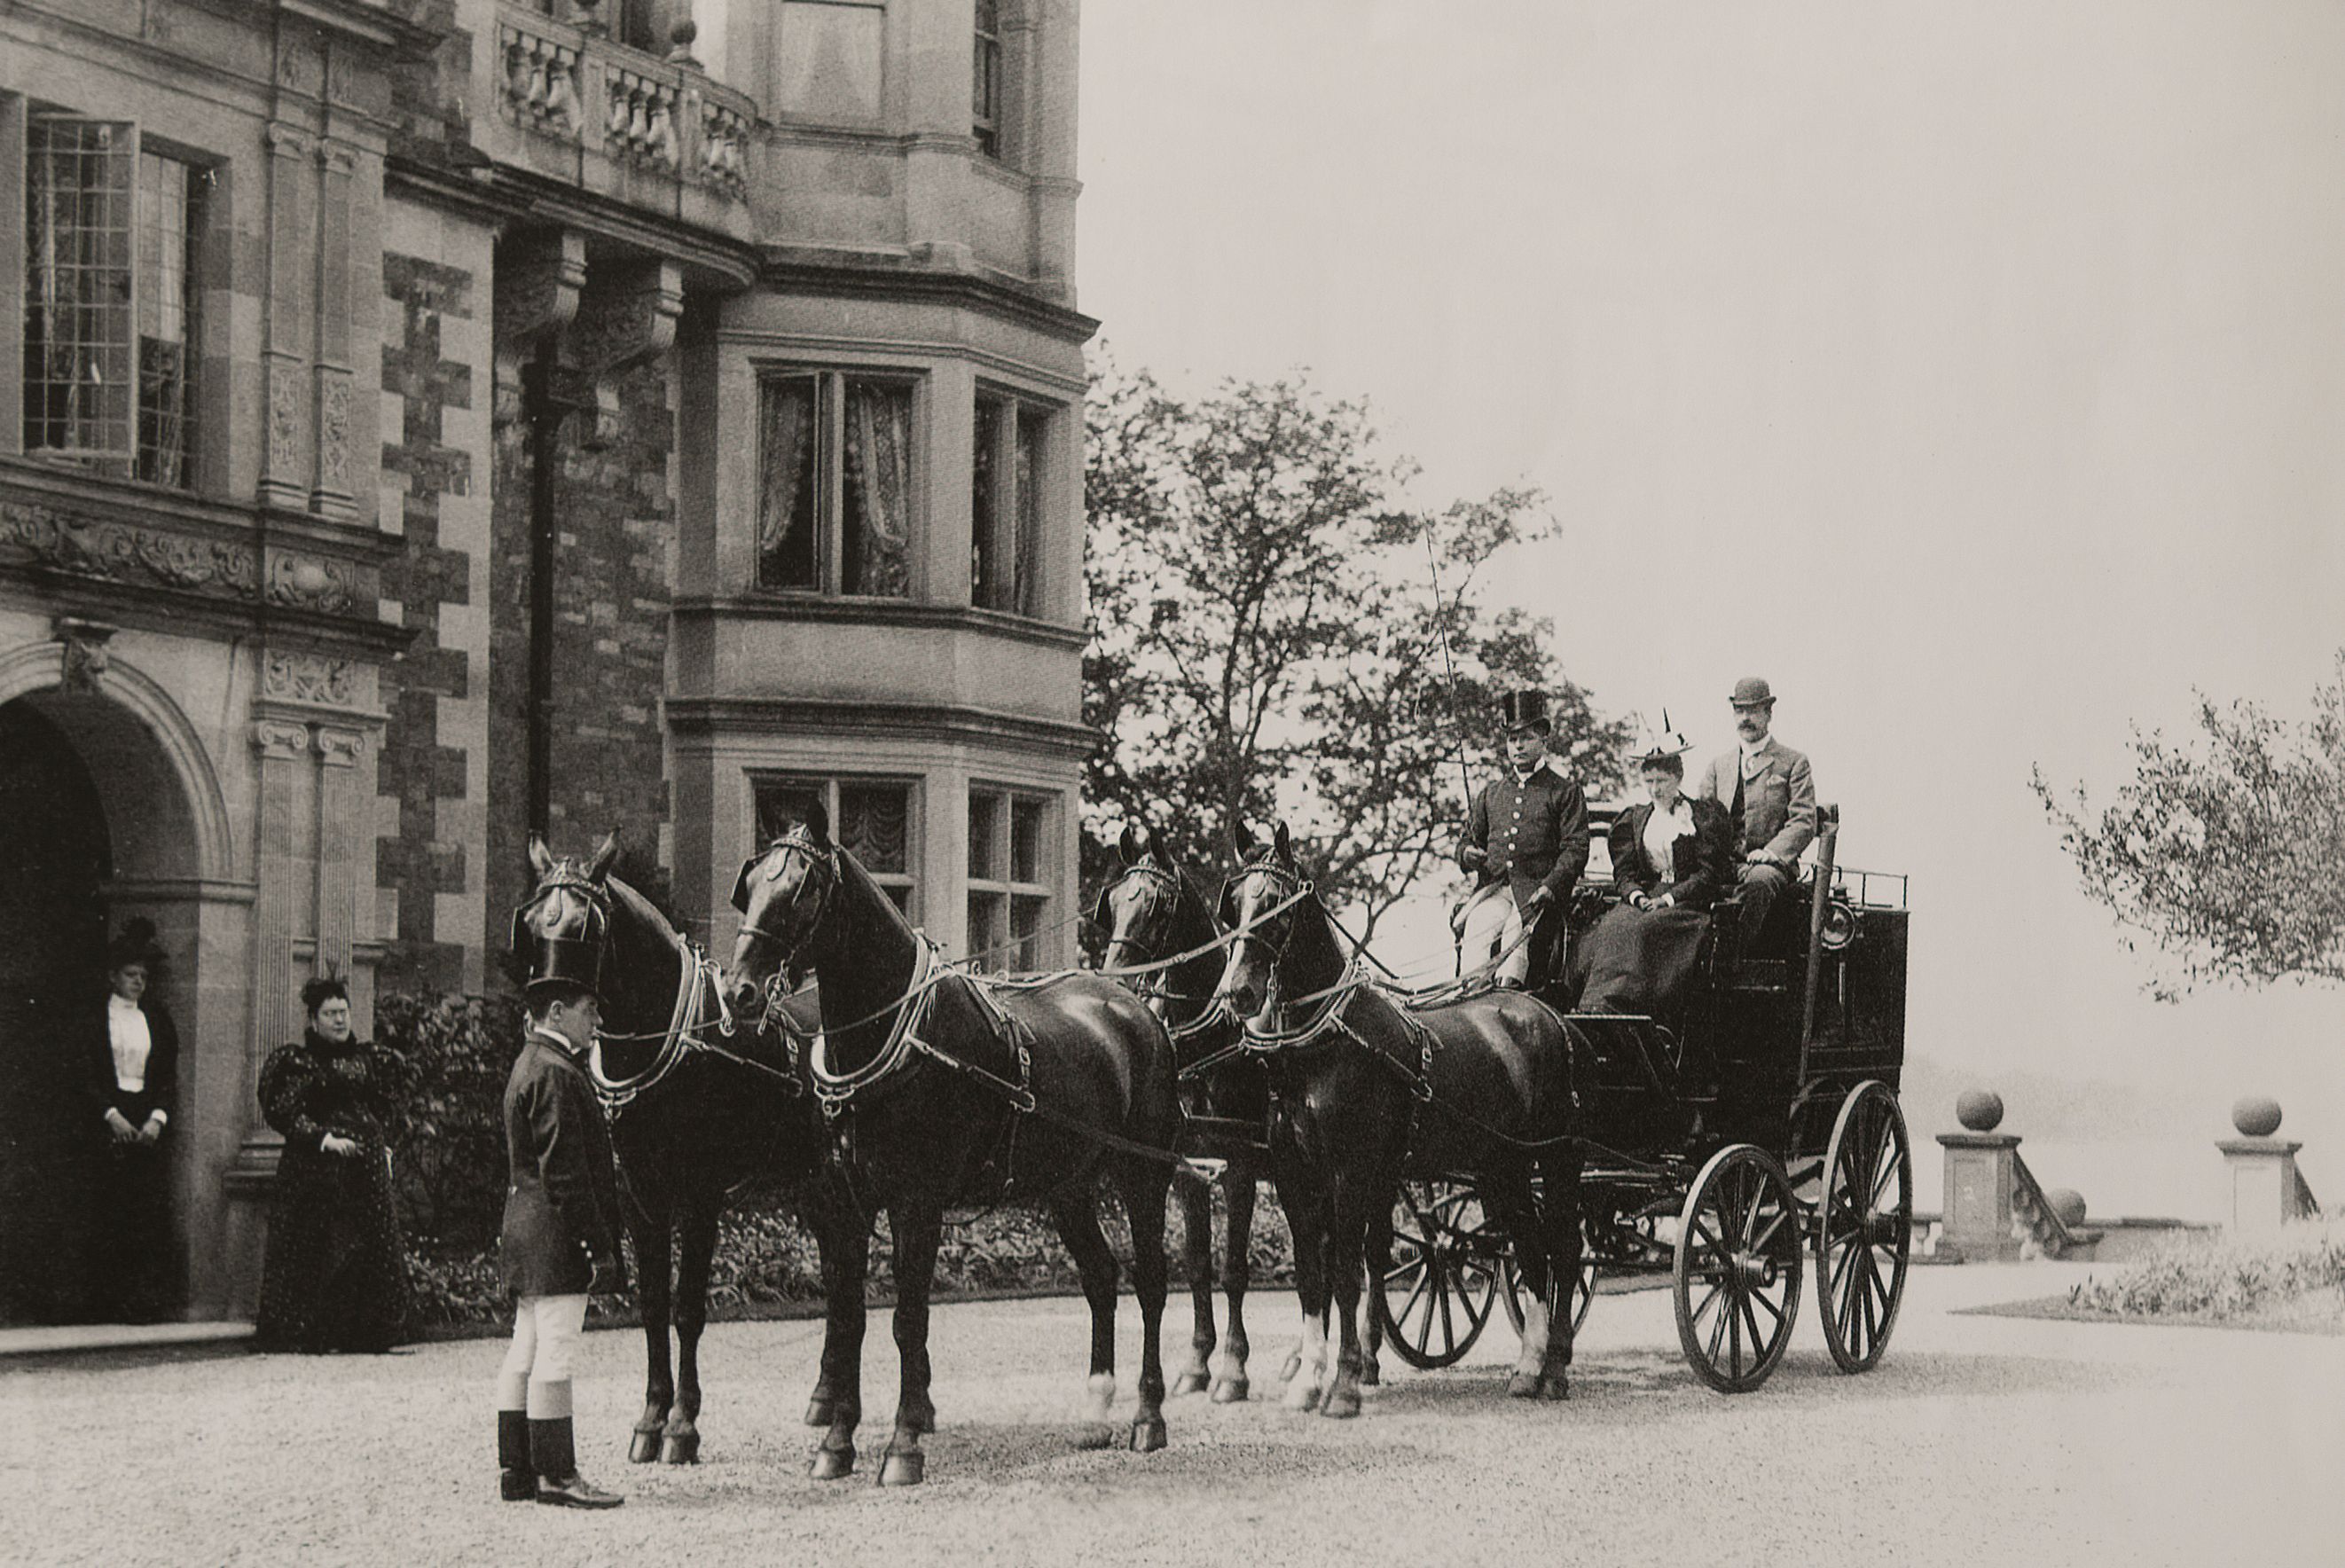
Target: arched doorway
point(54, 856)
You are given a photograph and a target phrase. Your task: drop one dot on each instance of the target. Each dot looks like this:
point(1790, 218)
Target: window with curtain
point(1005, 506)
point(871, 819)
point(836, 484)
point(111, 289)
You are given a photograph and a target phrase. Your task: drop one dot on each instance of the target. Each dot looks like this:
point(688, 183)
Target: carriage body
point(1771, 1089)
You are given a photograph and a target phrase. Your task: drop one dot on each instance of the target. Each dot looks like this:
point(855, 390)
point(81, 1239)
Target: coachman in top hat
point(1526, 841)
point(561, 1239)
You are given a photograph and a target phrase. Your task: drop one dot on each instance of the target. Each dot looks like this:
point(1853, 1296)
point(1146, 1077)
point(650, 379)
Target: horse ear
point(1246, 841)
point(540, 859)
point(1129, 846)
point(818, 823)
point(1285, 844)
point(741, 884)
point(604, 854)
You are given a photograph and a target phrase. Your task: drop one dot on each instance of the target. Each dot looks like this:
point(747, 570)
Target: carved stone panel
point(308, 678)
point(35, 534)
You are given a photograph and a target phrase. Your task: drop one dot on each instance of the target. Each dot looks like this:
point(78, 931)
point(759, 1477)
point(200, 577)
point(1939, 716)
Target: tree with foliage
point(2227, 853)
point(1267, 637)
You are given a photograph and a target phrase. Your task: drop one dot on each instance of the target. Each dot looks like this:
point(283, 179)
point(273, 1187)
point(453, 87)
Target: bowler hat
point(1525, 711)
point(1750, 691)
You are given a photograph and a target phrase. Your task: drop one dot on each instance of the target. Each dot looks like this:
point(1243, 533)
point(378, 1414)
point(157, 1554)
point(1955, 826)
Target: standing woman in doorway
point(335, 1276)
point(137, 1079)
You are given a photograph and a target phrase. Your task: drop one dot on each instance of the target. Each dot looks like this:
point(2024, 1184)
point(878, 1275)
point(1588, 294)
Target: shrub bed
point(767, 1262)
point(2298, 1280)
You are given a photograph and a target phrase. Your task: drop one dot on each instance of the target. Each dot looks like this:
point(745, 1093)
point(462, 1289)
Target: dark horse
point(1370, 1091)
point(1151, 913)
point(948, 1092)
point(688, 1125)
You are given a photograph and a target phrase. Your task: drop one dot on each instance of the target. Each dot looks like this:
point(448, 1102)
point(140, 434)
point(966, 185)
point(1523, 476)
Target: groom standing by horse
point(1526, 840)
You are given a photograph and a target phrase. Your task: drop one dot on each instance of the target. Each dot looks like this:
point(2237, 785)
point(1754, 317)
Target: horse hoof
point(1526, 1386)
point(819, 1412)
point(903, 1467)
point(644, 1447)
point(1189, 1384)
point(1370, 1376)
point(1095, 1435)
point(833, 1464)
point(1231, 1391)
point(1148, 1434)
point(1559, 1387)
point(1302, 1398)
point(1342, 1405)
point(681, 1448)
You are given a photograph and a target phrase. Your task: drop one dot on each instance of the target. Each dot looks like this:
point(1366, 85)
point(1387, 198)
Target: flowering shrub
point(451, 1159)
point(2225, 1279)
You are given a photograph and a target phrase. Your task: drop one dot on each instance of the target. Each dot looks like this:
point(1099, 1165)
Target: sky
point(1974, 373)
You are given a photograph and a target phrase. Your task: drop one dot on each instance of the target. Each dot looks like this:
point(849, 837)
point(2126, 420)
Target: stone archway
point(109, 808)
point(54, 858)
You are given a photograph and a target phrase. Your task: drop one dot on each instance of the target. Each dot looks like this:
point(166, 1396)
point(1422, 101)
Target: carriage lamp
point(1840, 924)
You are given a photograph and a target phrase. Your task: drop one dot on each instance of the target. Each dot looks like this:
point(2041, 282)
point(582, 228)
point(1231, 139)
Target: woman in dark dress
point(135, 1082)
point(335, 1278)
point(1672, 859)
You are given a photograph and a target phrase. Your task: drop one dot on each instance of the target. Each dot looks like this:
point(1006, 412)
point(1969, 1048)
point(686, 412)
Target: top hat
point(1525, 711)
point(573, 961)
point(1751, 691)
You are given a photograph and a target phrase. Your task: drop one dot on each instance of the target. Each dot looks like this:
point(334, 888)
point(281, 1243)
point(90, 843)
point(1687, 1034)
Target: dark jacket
point(1703, 866)
point(1534, 834)
point(161, 1092)
point(561, 1204)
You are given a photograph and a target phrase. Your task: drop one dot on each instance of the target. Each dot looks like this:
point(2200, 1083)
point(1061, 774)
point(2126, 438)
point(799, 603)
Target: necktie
point(1738, 798)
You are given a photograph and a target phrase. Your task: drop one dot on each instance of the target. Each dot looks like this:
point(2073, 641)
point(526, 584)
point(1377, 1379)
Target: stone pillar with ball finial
point(2264, 1185)
point(1980, 1175)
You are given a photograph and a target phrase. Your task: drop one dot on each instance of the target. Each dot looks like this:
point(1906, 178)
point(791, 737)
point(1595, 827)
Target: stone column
point(1981, 1174)
point(2261, 1168)
point(343, 842)
point(285, 475)
point(284, 748)
point(331, 494)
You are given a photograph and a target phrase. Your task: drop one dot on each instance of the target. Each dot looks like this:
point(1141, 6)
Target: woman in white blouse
point(136, 1076)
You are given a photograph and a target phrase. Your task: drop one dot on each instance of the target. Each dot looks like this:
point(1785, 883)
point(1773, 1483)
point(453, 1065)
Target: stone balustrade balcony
point(656, 133)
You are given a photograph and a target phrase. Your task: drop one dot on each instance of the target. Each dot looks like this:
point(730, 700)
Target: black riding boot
point(551, 1449)
point(516, 1477)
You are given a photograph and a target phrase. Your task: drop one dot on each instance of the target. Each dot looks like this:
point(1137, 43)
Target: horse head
point(562, 930)
point(1139, 909)
point(783, 893)
point(1258, 903)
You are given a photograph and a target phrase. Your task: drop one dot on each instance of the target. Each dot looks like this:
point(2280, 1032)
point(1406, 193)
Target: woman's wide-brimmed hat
point(1662, 743)
point(135, 943)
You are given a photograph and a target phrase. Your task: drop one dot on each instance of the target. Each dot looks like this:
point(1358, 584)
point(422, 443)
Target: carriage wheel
point(1740, 1258)
point(1511, 1295)
point(1866, 1228)
point(1436, 1294)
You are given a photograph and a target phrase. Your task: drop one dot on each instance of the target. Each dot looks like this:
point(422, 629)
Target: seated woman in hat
point(1672, 859)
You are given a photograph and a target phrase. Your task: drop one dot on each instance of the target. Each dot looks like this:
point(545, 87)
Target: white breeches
point(544, 1349)
point(1493, 924)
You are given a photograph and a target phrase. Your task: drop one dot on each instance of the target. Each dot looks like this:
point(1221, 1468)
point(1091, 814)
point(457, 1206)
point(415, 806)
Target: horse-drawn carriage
point(1720, 1145)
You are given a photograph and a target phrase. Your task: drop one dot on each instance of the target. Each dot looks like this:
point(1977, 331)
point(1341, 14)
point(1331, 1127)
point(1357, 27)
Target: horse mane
point(640, 912)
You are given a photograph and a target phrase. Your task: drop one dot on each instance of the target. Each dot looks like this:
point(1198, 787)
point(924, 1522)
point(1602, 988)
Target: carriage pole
point(1827, 843)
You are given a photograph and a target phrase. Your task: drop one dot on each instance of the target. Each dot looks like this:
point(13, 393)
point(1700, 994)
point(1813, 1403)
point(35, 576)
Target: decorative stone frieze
point(33, 533)
point(307, 583)
point(308, 678)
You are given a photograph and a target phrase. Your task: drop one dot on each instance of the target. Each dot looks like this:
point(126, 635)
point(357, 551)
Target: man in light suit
point(1770, 794)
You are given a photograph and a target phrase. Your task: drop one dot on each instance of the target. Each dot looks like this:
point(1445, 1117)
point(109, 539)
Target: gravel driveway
point(1980, 1441)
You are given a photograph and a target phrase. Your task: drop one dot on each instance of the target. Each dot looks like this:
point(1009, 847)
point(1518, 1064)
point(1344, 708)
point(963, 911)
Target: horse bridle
point(1163, 881)
point(565, 875)
point(1290, 889)
point(815, 854)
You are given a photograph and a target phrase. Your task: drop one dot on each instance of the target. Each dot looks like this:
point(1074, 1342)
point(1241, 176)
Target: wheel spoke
point(1717, 1287)
point(1758, 1243)
point(1718, 1332)
point(1735, 1309)
point(1772, 1310)
point(1750, 1318)
point(1448, 1323)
